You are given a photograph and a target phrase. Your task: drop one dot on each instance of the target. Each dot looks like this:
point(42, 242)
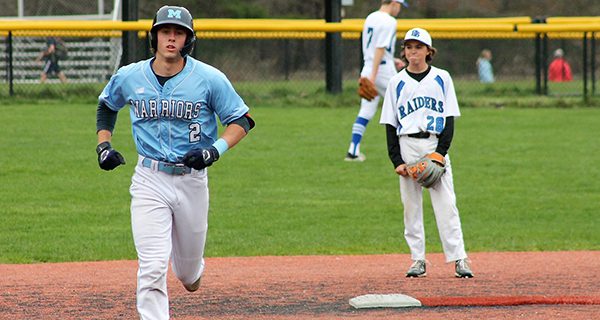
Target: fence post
point(585, 67)
point(540, 60)
point(593, 62)
point(333, 48)
point(286, 59)
point(147, 53)
point(538, 64)
point(129, 12)
point(9, 71)
point(545, 62)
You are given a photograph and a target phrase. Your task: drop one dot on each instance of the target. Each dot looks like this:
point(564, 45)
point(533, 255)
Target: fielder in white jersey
point(418, 111)
point(174, 102)
point(379, 65)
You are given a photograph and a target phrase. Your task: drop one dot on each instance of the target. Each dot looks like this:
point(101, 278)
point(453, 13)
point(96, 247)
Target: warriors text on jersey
point(419, 106)
point(190, 96)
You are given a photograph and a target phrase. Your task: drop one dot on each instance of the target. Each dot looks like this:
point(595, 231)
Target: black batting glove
point(201, 158)
point(108, 158)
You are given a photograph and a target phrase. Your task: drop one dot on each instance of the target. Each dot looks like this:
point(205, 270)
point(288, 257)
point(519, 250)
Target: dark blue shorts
point(51, 67)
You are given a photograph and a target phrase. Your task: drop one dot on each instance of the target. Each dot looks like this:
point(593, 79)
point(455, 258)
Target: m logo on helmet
point(174, 14)
point(178, 16)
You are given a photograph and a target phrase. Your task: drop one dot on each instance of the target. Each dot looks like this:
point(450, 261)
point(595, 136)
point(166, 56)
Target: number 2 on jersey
point(435, 124)
point(194, 132)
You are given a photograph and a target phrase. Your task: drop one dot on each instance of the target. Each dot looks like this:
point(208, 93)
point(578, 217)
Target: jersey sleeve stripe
point(399, 88)
point(439, 80)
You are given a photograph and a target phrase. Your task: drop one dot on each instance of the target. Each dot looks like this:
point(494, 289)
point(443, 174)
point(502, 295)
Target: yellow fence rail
point(463, 28)
point(504, 28)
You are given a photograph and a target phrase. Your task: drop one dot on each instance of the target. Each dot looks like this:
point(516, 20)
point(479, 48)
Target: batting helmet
point(178, 16)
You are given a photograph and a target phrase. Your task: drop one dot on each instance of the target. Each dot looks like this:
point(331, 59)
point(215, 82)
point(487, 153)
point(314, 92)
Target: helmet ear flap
point(189, 45)
point(152, 38)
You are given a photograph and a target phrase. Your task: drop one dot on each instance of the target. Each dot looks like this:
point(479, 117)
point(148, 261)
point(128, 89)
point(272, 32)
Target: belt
point(419, 135)
point(166, 167)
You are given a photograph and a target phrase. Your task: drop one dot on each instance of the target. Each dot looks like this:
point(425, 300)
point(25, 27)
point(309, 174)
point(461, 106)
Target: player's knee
point(368, 111)
point(154, 273)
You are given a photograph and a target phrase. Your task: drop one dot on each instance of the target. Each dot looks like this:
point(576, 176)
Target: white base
point(384, 301)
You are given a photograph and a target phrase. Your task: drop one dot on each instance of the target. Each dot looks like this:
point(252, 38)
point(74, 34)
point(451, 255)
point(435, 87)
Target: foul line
point(507, 301)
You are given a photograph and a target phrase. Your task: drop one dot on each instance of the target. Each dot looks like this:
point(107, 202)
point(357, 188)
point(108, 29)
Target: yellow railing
point(463, 28)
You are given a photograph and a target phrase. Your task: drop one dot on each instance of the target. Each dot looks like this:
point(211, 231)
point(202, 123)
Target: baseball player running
point(418, 111)
point(173, 102)
point(378, 46)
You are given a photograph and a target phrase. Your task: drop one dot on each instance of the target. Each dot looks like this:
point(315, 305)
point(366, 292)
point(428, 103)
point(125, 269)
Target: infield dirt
point(509, 285)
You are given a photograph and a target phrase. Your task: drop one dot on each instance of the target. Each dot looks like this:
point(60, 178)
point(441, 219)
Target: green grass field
point(523, 180)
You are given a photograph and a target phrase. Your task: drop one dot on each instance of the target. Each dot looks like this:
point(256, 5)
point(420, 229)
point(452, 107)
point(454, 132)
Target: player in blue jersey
point(174, 102)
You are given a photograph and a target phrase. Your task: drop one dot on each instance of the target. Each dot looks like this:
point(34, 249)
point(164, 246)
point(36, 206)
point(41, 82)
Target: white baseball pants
point(443, 201)
point(169, 220)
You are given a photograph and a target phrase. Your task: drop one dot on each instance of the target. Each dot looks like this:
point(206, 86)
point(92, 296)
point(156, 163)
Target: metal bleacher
point(90, 60)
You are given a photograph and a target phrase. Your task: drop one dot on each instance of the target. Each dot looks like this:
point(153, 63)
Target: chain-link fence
point(268, 62)
point(82, 60)
point(27, 69)
point(64, 9)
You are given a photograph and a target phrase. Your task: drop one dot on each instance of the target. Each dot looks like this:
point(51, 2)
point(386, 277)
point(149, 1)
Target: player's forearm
point(202, 158)
point(233, 134)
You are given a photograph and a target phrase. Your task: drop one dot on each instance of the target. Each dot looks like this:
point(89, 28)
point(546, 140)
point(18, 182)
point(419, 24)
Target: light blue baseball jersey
point(168, 121)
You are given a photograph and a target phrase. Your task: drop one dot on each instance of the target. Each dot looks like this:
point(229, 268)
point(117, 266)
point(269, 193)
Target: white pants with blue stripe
point(369, 108)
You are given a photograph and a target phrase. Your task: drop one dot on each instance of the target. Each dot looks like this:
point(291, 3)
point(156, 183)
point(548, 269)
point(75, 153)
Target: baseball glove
point(366, 89)
point(427, 170)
